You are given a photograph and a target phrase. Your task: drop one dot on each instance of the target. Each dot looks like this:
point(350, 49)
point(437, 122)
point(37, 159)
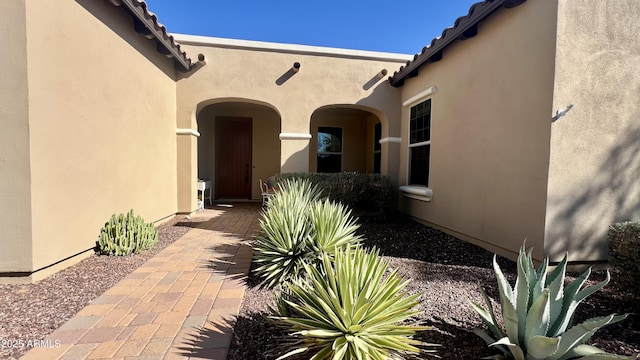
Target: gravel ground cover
point(30, 312)
point(447, 271)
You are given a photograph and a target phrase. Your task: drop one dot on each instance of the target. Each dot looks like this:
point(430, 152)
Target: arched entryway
point(238, 145)
point(345, 138)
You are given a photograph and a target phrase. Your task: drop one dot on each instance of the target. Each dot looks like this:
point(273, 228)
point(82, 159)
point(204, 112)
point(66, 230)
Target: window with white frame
point(329, 149)
point(419, 143)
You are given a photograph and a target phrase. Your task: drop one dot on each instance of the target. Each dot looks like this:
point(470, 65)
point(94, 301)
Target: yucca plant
point(350, 310)
point(538, 310)
point(332, 227)
point(284, 241)
point(297, 227)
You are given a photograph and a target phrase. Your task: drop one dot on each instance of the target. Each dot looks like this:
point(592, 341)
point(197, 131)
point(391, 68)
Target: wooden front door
point(233, 158)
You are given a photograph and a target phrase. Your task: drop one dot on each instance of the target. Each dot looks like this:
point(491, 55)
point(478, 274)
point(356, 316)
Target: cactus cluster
point(126, 234)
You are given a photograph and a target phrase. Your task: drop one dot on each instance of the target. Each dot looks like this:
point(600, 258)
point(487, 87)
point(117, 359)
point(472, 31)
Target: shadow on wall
point(298, 161)
point(102, 9)
point(612, 196)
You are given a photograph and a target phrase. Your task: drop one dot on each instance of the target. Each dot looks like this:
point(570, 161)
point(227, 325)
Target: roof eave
point(147, 24)
point(464, 27)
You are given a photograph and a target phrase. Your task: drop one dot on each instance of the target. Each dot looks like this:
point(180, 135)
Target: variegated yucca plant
point(350, 310)
point(537, 312)
point(297, 227)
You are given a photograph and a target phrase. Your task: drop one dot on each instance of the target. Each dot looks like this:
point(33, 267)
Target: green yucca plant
point(350, 310)
point(332, 227)
point(283, 244)
point(297, 228)
point(537, 312)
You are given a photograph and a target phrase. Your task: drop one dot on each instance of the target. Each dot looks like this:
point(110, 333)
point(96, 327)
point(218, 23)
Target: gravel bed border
point(30, 312)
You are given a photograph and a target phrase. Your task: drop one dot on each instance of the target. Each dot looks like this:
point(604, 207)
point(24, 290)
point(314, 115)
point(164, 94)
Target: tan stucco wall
point(595, 148)
point(354, 140)
point(15, 174)
point(254, 74)
point(102, 106)
point(490, 131)
point(265, 149)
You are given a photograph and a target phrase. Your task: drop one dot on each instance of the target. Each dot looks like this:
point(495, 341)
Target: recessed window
point(329, 149)
point(377, 148)
point(419, 143)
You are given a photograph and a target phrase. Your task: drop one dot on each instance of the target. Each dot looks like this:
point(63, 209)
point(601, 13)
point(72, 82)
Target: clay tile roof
point(146, 23)
point(465, 27)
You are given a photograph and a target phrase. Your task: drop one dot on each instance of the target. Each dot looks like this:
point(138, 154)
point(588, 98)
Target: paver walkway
point(178, 305)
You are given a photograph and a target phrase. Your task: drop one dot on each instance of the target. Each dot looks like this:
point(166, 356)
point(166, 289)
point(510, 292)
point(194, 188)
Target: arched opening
point(345, 138)
point(238, 146)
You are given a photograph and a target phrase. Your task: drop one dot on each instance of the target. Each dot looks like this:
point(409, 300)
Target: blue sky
point(399, 26)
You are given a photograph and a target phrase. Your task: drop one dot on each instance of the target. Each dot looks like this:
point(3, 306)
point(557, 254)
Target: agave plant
point(537, 312)
point(350, 310)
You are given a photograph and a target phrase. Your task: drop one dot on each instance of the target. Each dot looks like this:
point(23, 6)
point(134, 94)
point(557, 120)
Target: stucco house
point(103, 111)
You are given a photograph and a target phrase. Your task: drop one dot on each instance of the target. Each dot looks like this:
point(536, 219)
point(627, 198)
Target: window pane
point(420, 122)
point(419, 169)
point(329, 163)
point(329, 139)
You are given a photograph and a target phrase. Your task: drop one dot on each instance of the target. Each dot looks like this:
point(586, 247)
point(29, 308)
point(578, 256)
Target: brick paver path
point(178, 305)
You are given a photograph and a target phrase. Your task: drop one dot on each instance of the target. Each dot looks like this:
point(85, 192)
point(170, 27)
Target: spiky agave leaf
point(351, 310)
point(536, 317)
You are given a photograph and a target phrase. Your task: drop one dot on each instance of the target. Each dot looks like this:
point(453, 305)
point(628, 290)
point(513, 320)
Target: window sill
point(421, 193)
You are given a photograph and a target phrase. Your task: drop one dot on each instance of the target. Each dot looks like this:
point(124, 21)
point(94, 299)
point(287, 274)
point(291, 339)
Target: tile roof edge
point(154, 29)
point(464, 27)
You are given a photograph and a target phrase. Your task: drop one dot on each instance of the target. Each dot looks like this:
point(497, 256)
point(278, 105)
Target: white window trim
point(422, 193)
point(421, 96)
point(417, 192)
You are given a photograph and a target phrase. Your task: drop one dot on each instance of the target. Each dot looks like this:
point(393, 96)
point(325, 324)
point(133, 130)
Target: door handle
point(246, 173)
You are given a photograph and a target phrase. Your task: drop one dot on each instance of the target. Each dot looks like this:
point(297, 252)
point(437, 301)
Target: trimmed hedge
point(624, 251)
point(372, 193)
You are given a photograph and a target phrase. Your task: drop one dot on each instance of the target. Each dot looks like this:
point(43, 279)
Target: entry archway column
point(294, 152)
point(390, 164)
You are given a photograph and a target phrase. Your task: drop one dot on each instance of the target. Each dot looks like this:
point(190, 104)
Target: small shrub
point(297, 228)
point(126, 234)
point(365, 192)
point(349, 310)
point(537, 312)
point(624, 251)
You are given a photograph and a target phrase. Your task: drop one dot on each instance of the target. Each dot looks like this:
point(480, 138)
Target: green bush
point(624, 251)
point(537, 312)
point(126, 234)
point(364, 192)
point(297, 228)
point(349, 310)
